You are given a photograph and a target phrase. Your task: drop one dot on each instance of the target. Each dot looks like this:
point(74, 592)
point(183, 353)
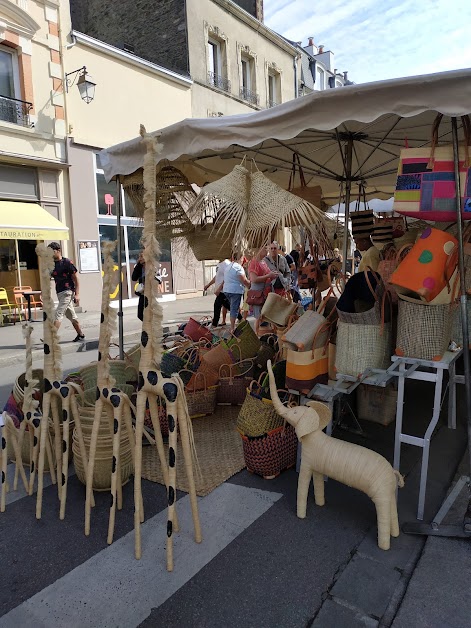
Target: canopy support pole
point(18, 271)
point(348, 189)
point(435, 528)
point(119, 207)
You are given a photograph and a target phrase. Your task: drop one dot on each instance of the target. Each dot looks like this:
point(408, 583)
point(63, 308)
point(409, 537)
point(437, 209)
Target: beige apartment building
point(33, 163)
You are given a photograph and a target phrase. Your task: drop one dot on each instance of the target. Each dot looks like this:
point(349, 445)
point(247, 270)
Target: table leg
point(452, 397)
point(28, 298)
point(426, 446)
point(399, 415)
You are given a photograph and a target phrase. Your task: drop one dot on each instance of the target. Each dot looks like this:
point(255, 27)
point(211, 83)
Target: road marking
point(13, 496)
point(113, 589)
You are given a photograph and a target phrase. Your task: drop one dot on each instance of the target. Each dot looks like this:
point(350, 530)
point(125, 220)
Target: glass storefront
point(131, 235)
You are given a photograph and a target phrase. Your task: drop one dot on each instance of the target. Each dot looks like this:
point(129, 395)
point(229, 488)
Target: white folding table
point(426, 371)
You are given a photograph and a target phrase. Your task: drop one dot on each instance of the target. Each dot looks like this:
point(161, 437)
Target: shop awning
point(29, 221)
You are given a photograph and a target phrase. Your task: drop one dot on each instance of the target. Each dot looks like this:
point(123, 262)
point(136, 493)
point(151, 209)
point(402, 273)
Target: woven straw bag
point(267, 350)
point(370, 316)
point(246, 339)
point(302, 333)
point(424, 331)
point(209, 243)
point(233, 383)
point(257, 415)
point(360, 347)
point(277, 309)
point(201, 398)
point(218, 355)
point(197, 330)
point(271, 453)
point(171, 363)
point(457, 328)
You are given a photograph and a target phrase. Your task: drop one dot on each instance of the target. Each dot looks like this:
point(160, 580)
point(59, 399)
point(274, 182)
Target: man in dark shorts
point(67, 288)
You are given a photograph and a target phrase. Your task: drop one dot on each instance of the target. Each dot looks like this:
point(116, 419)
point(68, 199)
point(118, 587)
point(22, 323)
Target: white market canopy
point(377, 119)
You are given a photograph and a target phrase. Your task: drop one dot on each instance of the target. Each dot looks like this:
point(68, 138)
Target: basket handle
point(367, 270)
point(401, 251)
point(198, 374)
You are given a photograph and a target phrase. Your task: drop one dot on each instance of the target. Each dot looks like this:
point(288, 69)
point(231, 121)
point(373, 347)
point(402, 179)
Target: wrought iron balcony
point(15, 111)
point(272, 103)
point(219, 81)
point(249, 96)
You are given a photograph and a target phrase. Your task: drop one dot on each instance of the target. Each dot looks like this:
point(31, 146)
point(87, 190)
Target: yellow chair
point(5, 304)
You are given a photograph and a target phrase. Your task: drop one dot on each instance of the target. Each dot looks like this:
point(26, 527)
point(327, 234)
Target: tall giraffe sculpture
point(109, 398)
point(152, 384)
point(59, 396)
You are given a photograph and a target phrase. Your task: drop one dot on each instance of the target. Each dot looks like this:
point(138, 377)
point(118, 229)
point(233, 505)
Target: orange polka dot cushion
point(427, 268)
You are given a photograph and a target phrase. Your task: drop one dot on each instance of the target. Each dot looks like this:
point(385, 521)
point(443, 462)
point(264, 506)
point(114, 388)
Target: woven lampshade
point(174, 195)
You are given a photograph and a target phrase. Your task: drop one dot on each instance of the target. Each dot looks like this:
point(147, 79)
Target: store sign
point(31, 234)
point(164, 269)
point(88, 256)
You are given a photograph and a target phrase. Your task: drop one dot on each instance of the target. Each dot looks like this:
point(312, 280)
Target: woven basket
point(89, 395)
point(277, 309)
point(266, 351)
point(301, 334)
point(121, 370)
point(457, 329)
point(208, 243)
point(423, 331)
point(271, 453)
point(196, 330)
point(218, 355)
point(377, 404)
point(360, 347)
point(201, 400)
point(173, 195)
point(171, 363)
point(233, 383)
point(247, 340)
point(133, 356)
point(102, 469)
point(257, 416)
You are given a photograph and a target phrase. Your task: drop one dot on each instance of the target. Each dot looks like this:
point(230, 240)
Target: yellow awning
point(29, 221)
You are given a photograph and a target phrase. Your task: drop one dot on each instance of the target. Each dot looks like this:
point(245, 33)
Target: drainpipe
point(295, 66)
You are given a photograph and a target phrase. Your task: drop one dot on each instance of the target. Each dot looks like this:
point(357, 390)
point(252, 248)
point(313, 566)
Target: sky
point(380, 39)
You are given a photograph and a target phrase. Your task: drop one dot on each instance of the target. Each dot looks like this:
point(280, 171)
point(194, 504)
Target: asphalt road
point(258, 565)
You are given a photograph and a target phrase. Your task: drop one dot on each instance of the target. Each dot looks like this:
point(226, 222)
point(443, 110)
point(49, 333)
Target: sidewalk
point(12, 346)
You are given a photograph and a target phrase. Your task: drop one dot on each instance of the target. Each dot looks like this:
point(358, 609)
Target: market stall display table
point(427, 371)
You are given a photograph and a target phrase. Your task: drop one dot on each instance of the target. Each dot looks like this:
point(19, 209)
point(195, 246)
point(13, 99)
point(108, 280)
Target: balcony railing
point(15, 111)
point(219, 81)
point(249, 96)
point(272, 103)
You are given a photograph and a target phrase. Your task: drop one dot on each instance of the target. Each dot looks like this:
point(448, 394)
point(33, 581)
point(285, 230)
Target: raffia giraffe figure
point(152, 384)
point(59, 396)
point(109, 398)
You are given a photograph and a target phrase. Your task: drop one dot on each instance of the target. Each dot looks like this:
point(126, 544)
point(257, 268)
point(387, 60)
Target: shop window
point(107, 197)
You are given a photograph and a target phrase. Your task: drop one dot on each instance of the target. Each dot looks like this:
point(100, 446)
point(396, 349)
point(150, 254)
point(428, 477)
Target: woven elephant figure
point(348, 463)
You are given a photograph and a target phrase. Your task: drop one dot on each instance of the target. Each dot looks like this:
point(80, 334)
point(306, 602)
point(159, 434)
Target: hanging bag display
point(428, 267)
point(425, 185)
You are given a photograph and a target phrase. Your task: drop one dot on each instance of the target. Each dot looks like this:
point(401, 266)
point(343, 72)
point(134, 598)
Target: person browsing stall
point(362, 229)
point(234, 284)
point(67, 289)
point(277, 263)
point(260, 275)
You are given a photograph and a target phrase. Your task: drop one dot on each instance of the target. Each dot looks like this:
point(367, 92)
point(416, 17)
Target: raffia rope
point(153, 315)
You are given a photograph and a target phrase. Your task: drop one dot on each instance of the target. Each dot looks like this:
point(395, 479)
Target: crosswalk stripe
point(114, 590)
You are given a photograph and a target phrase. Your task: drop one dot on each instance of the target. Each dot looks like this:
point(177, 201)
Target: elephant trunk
point(279, 407)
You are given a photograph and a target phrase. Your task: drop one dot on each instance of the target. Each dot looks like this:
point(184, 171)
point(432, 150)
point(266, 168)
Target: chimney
point(311, 41)
point(335, 72)
point(321, 50)
point(259, 10)
point(345, 76)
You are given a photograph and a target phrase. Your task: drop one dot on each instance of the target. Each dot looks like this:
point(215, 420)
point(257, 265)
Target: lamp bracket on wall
point(85, 83)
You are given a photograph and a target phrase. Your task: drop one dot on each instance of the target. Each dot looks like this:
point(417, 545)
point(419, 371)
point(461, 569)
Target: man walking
point(67, 288)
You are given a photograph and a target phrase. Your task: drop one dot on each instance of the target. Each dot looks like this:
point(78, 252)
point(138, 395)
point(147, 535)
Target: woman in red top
point(259, 275)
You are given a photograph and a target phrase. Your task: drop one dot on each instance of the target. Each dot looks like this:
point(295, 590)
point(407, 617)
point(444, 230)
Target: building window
point(320, 79)
point(273, 90)
point(248, 87)
point(12, 109)
point(216, 65)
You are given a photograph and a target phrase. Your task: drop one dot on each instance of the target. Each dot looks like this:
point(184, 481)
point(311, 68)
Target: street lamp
point(85, 84)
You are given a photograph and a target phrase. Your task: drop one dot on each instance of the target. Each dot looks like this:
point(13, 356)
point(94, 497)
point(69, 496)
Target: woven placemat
point(219, 449)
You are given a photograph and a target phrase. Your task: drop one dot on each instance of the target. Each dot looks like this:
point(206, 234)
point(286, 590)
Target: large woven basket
point(301, 334)
point(257, 416)
point(271, 453)
point(173, 197)
point(102, 469)
point(360, 347)
point(423, 331)
point(457, 329)
point(201, 400)
point(209, 243)
point(19, 385)
point(277, 309)
point(233, 383)
point(247, 340)
point(121, 370)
